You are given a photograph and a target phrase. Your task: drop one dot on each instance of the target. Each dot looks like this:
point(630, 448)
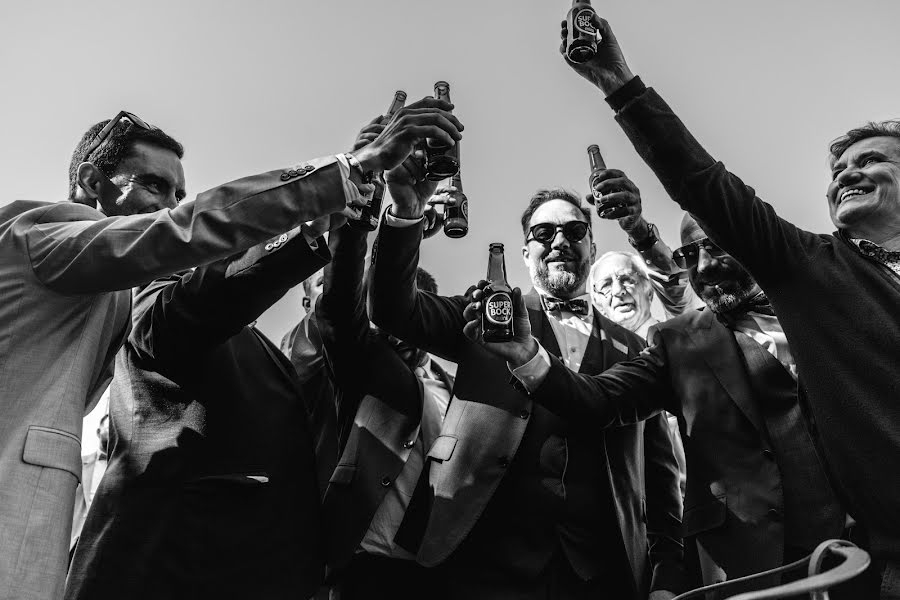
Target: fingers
point(472, 330)
point(519, 302)
point(618, 211)
point(616, 184)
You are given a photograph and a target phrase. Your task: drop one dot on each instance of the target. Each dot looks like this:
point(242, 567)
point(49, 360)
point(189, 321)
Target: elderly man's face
point(717, 278)
point(864, 194)
point(622, 292)
point(560, 267)
point(312, 289)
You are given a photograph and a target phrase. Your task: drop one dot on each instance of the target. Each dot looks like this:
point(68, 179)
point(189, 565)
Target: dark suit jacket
point(378, 399)
point(210, 490)
point(487, 419)
point(734, 500)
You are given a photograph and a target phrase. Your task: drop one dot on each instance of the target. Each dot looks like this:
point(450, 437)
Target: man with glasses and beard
point(757, 494)
point(525, 504)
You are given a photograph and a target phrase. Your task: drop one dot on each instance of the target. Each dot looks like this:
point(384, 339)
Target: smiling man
point(836, 295)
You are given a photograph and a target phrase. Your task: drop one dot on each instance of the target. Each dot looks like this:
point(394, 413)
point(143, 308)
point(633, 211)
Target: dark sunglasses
point(687, 256)
point(107, 129)
point(574, 231)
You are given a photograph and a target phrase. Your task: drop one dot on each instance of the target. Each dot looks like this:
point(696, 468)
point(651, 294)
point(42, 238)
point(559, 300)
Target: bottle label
point(584, 21)
point(499, 309)
point(464, 208)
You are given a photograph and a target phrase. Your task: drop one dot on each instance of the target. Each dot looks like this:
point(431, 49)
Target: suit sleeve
point(664, 508)
point(360, 361)
point(727, 209)
point(627, 393)
point(73, 249)
point(176, 317)
point(428, 321)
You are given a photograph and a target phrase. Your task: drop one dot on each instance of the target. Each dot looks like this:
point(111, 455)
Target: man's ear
point(97, 190)
point(525, 254)
point(305, 303)
point(593, 252)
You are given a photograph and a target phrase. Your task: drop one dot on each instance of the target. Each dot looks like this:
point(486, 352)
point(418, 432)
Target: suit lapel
point(719, 349)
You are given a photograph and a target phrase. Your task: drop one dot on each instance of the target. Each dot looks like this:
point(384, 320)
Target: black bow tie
point(758, 304)
point(577, 306)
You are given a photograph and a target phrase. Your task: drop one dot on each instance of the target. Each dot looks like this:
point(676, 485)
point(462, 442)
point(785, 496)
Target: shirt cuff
point(532, 374)
point(395, 221)
point(351, 192)
point(628, 92)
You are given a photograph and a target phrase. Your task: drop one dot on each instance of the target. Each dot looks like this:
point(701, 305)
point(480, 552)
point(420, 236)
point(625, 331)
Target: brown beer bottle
point(581, 35)
point(371, 212)
point(441, 160)
point(497, 316)
point(456, 218)
point(597, 165)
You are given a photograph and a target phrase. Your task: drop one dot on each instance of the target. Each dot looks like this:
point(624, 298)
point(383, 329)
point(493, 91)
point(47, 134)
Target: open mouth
point(624, 307)
point(852, 192)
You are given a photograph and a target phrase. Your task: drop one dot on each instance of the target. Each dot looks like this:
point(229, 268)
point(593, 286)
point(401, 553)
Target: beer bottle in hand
point(441, 160)
point(456, 218)
point(581, 36)
point(371, 212)
point(597, 165)
point(497, 318)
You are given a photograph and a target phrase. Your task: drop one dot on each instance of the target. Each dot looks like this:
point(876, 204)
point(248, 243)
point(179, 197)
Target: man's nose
point(848, 176)
point(704, 261)
point(559, 240)
point(618, 288)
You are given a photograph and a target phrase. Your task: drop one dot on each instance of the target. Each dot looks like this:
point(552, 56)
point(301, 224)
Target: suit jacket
point(89, 464)
point(733, 501)
point(379, 402)
point(487, 419)
point(210, 489)
point(62, 320)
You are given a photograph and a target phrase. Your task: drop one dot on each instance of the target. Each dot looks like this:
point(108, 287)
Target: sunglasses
point(574, 231)
point(103, 134)
point(687, 256)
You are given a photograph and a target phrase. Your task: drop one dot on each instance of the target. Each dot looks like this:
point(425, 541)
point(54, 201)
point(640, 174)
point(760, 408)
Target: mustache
point(560, 255)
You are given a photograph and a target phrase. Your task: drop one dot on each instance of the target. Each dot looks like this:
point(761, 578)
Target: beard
point(561, 283)
point(740, 288)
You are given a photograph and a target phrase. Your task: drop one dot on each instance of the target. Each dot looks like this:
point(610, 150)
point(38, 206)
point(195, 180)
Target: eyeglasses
point(574, 231)
point(107, 129)
point(687, 256)
point(626, 282)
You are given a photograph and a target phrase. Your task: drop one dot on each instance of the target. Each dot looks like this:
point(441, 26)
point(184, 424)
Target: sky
point(257, 86)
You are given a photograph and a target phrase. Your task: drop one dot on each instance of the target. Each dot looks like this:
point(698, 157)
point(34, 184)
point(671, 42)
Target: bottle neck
point(496, 272)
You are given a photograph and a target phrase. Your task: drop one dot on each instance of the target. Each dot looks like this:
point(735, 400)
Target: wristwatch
point(647, 242)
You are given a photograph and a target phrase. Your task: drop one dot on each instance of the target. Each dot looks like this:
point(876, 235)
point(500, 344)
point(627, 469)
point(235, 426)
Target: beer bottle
point(497, 318)
point(371, 212)
point(456, 218)
point(597, 165)
point(581, 35)
point(441, 160)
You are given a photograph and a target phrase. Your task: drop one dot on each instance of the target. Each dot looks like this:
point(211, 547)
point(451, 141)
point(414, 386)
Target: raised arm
point(727, 209)
point(175, 318)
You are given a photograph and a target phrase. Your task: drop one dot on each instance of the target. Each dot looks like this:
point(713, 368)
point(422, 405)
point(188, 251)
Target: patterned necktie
point(578, 306)
point(758, 304)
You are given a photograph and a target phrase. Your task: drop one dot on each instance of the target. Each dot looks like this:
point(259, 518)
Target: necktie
point(578, 306)
point(758, 304)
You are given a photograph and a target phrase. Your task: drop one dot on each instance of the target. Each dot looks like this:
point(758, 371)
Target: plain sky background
point(257, 86)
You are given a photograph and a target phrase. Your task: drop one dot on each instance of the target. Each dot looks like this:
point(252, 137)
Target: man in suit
point(524, 504)
point(65, 307)
point(93, 467)
point(211, 488)
point(388, 401)
point(836, 294)
point(757, 494)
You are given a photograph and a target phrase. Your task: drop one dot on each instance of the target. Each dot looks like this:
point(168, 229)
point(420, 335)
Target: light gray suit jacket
point(65, 274)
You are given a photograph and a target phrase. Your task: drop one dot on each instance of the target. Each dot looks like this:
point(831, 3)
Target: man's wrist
point(524, 354)
point(407, 212)
point(643, 236)
point(368, 159)
point(613, 82)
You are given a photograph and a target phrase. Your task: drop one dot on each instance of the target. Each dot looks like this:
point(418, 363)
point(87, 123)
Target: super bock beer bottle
point(497, 318)
point(581, 36)
point(441, 161)
point(456, 218)
point(371, 212)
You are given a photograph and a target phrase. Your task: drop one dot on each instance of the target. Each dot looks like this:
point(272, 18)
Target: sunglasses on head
point(574, 231)
point(103, 134)
point(687, 256)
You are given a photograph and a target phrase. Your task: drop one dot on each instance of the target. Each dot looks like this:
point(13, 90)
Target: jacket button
point(385, 482)
point(309, 168)
point(524, 414)
point(503, 461)
point(774, 514)
point(769, 454)
point(293, 173)
point(285, 176)
point(269, 247)
point(282, 238)
point(409, 443)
